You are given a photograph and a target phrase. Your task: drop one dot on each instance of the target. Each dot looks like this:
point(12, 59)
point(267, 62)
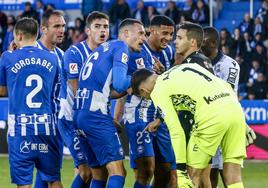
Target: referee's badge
point(140, 63)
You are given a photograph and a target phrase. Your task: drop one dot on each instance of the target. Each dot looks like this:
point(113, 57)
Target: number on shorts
point(76, 143)
point(139, 135)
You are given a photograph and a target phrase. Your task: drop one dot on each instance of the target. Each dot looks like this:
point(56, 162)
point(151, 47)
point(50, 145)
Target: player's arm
point(72, 66)
point(162, 100)
point(3, 81)
point(230, 73)
point(120, 80)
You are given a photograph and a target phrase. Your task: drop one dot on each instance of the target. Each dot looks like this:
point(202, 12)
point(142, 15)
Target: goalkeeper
point(218, 119)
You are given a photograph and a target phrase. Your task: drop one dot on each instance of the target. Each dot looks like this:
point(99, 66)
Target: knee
point(85, 175)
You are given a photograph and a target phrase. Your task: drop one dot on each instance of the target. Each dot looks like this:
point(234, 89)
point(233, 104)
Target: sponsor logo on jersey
point(233, 73)
point(124, 58)
point(210, 99)
point(73, 68)
point(140, 63)
point(34, 119)
point(140, 149)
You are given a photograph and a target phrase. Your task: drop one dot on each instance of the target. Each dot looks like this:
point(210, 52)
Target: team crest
point(73, 68)
point(140, 63)
point(124, 58)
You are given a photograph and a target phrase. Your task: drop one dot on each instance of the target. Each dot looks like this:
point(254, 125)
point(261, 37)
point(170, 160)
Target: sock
point(138, 185)
point(39, 183)
point(236, 185)
point(79, 183)
point(116, 181)
point(97, 184)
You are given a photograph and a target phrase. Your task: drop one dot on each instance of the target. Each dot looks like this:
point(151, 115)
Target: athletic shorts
point(228, 131)
point(26, 152)
point(102, 138)
point(140, 142)
point(73, 141)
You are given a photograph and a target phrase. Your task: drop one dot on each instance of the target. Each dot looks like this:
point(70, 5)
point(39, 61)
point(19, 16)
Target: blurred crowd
point(247, 44)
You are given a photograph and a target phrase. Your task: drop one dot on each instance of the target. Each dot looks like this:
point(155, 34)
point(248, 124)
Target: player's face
point(182, 43)
point(136, 37)
point(98, 31)
point(206, 47)
point(163, 35)
point(55, 29)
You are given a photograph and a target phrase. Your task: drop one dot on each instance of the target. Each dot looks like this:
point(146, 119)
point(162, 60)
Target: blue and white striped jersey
point(137, 109)
point(74, 58)
point(30, 75)
point(59, 53)
point(166, 56)
point(105, 68)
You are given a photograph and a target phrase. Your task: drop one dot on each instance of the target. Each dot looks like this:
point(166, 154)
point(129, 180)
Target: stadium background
point(226, 16)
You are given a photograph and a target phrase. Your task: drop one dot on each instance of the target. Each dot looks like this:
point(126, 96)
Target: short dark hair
point(212, 34)
point(48, 14)
point(128, 22)
point(27, 26)
point(193, 31)
point(161, 20)
point(95, 15)
point(138, 77)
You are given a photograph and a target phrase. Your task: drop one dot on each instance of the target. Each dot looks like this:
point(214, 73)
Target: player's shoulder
point(117, 43)
point(199, 57)
point(7, 53)
point(60, 51)
point(230, 62)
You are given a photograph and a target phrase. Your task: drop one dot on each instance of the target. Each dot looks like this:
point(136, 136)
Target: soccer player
point(52, 27)
point(103, 71)
point(29, 74)
point(157, 46)
point(136, 117)
point(218, 119)
point(97, 29)
point(227, 69)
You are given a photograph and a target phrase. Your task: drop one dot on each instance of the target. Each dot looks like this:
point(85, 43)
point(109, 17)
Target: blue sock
point(79, 183)
point(138, 185)
point(39, 183)
point(116, 182)
point(97, 183)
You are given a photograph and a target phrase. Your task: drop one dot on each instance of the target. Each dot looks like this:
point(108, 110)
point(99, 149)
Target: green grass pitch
point(255, 174)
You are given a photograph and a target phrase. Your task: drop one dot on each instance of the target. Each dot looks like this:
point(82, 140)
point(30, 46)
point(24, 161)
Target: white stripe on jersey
point(79, 52)
point(149, 52)
point(166, 59)
point(54, 119)
point(46, 125)
point(171, 51)
point(11, 125)
point(23, 127)
point(85, 48)
point(130, 109)
point(35, 126)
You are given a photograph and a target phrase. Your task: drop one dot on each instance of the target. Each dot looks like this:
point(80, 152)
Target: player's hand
point(159, 68)
point(12, 46)
point(183, 180)
point(250, 135)
point(153, 126)
point(118, 126)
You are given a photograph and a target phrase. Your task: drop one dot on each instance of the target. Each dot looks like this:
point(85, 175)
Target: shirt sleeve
point(72, 63)
point(230, 73)
point(162, 100)
point(3, 80)
point(121, 81)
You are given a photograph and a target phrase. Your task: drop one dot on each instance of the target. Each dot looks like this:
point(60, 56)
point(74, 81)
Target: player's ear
point(126, 33)
point(87, 31)
point(43, 29)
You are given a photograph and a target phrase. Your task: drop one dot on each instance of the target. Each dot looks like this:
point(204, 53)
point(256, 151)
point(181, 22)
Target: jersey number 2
point(39, 85)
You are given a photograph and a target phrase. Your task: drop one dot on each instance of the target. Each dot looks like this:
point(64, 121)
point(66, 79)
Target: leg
point(161, 175)
point(117, 173)
point(145, 170)
point(196, 174)
point(232, 174)
point(24, 186)
point(214, 176)
point(99, 177)
point(56, 184)
point(221, 174)
point(205, 178)
point(173, 179)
